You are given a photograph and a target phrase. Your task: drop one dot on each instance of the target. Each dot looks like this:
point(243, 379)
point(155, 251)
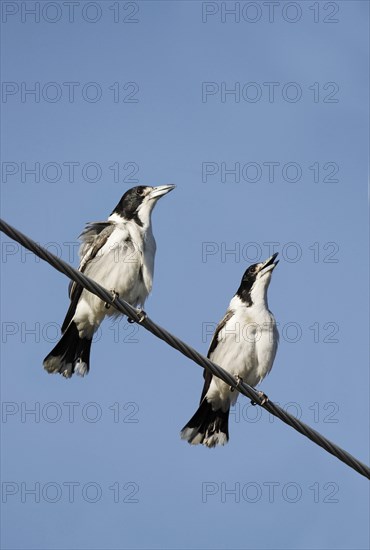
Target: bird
point(244, 344)
point(118, 254)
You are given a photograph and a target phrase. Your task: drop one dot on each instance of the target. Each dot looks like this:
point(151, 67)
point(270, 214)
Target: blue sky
point(144, 94)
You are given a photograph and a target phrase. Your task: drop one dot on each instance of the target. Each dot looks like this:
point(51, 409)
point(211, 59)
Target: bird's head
point(137, 203)
point(255, 281)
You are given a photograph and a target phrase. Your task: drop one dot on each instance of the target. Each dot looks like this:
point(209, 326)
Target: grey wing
point(93, 238)
point(207, 375)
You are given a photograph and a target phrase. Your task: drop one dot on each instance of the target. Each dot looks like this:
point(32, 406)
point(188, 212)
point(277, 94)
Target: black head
point(256, 278)
point(130, 202)
point(137, 203)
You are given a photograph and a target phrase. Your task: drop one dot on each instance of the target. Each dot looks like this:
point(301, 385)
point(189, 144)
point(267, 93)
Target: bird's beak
point(269, 264)
point(161, 190)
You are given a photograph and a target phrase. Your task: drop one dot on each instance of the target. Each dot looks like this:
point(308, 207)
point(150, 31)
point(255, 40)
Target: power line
point(138, 317)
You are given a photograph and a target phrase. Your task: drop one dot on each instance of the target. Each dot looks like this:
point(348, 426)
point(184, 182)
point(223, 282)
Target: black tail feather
point(71, 354)
point(207, 426)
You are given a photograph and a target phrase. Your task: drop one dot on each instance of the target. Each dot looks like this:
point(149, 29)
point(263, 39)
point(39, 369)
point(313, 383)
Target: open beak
point(161, 190)
point(269, 265)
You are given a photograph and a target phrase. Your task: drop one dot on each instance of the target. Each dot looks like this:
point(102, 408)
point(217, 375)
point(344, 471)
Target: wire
point(137, 316)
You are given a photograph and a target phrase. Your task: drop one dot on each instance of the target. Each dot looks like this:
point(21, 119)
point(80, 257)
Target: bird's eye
point(139, 191)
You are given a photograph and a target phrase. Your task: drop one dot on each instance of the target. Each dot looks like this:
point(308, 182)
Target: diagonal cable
point(185, 349)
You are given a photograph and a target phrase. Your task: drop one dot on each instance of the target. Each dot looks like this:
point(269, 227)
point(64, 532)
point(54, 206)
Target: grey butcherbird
point(118, 254)
point(244, 344)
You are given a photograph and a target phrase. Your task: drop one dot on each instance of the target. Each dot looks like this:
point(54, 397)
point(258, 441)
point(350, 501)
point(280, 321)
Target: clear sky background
point(102, 454)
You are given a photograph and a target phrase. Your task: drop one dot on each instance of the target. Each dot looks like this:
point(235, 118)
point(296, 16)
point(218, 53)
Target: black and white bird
point(118, 254)
point(244, 344)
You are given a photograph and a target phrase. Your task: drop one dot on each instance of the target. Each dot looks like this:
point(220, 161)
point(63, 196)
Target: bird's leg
point(114, 296)
point(263, 398)
point(238, 380)
point(141, 315)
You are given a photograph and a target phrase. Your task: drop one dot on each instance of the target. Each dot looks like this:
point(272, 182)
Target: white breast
point(129, 252)
point(246, 347)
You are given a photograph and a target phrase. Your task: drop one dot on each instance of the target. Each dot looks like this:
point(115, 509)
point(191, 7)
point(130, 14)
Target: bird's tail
point(207, 426)
point(70, 355)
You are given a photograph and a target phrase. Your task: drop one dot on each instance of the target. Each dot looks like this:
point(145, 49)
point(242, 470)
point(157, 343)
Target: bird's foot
point(141, 317)
point(114, 296)
point(263, 398)
point(238, 380)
